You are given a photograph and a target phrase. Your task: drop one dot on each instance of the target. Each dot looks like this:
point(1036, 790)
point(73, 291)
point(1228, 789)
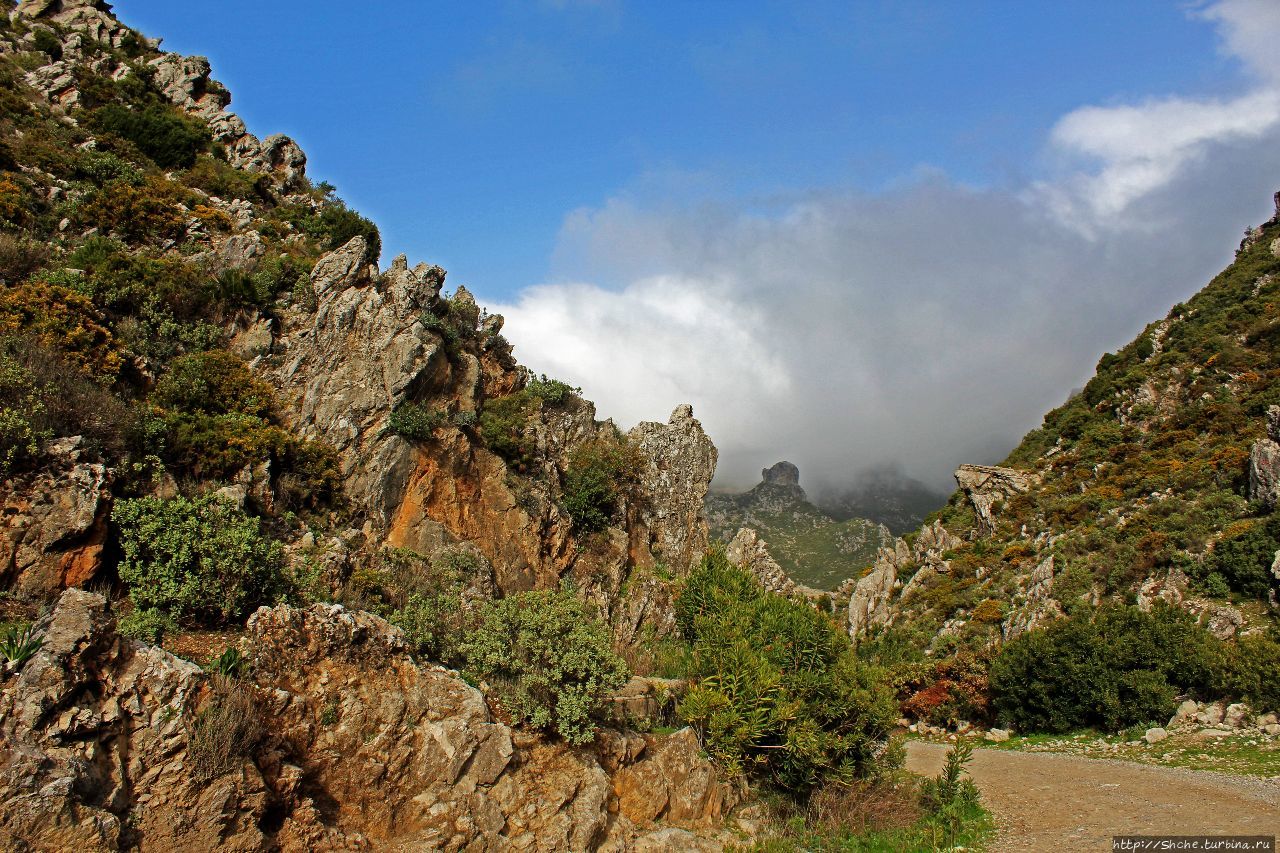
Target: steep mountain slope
point(214, 408)
point(1156, 481)
point(814, 549)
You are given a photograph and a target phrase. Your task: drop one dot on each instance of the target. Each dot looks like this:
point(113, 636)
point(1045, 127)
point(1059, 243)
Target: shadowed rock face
point(781, 474)
point(362, 749)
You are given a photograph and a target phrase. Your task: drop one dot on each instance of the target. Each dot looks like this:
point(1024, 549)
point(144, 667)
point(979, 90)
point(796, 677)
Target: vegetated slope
point(1153, 487)
point(813, 548)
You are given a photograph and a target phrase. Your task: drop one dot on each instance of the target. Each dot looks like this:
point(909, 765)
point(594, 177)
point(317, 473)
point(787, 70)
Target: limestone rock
point(1184, 715)
point(781, 474)
point(1264, 472)
point(987, 485)
point(1035, 607)
point(1235, 715)
point(997, 735)
point(675, 784)
point(1155, 735)
point(680, 461)
point(750, 552)
point(54, 524)
point(869, 604)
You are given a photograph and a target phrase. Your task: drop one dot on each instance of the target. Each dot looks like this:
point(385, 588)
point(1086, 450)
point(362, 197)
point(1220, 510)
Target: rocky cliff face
point(347, 347)
point(115, 745)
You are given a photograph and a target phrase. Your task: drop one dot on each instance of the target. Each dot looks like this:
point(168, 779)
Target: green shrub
point(219, 178)
point(416, 422)
point(778, 692)
point(599, 476)
point(1244, 562)
point(213, 383)
point(197, 560)
point(47, 43)
point(1249, 670)
point(148, 212)
point(502, 427)
point(149, 626)
point(19, 645)
point(1109, 669)
point(161, 132)
point(550, 663)
point(553, 392)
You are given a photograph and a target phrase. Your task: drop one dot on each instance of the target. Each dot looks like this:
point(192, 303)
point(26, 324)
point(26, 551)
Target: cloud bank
point(925, 326)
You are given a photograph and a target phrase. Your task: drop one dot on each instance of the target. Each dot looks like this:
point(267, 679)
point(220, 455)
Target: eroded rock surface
point(363, 749)
point(987, 485)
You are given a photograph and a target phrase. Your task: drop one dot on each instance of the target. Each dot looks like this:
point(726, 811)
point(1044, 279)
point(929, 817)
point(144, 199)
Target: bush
point(47, 43)
point(1249, 671)
point(226, 732)
point(416, 422)
point(1243, 563)
point(62, 320)
point(214, 383)
point(1109, 669)
point(149, 626)
point(599, 476)
point(20, 257)
point(778, 692)
point(502, 426)
point(550, 663)
point(197, 560)
point(161, 132)
point(149, 212)
point(219, 178)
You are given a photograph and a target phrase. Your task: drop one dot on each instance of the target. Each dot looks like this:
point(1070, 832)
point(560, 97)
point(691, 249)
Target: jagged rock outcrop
point(362, 749)
point(872, 597)
point(1036, 606)
point(750, 552)
point(184, 80)
point(781, 474)
point(680, 462)
point(53, 528)
point(986, 485)
point(1264, 463)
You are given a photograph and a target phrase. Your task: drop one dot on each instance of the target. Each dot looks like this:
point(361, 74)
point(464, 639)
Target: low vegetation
point(550, 664)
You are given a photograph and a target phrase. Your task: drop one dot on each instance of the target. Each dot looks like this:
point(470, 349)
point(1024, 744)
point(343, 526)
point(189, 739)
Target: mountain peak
point(781, 474)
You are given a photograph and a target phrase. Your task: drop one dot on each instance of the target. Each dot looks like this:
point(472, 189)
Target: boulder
point(987, 485)
point(997, 735)
point(53, 526)
point(1184, 715)
point(1235, 715)
point(1155, 735)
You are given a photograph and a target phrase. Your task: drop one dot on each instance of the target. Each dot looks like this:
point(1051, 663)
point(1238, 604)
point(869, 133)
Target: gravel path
point(1047, 802)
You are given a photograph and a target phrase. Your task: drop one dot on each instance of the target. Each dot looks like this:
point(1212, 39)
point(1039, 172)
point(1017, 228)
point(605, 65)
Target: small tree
point(551, 663)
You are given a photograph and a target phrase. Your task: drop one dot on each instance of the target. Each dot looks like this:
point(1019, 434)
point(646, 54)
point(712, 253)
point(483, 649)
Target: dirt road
point(1055, 802)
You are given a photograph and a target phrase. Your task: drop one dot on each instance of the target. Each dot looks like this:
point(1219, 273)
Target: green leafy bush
point(149, 626)
point(599, 476)
point(161, 132)
point(197, 560)
point(1249, 670)
point(214, 383)
point(415, 421)
point(778, 692)
point(1244, 562)
point(502, 427)
point(550, 662)
point(147, 212)
point(1108, 669)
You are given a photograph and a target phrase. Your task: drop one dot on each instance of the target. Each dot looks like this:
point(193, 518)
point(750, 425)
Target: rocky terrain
point(814, 549)
point(109, 746)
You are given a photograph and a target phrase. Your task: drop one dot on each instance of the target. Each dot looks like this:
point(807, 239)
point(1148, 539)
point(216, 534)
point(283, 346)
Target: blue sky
point(469, 130)
point(852, 234)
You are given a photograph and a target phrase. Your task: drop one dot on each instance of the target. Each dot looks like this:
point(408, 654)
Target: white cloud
point(929, 325)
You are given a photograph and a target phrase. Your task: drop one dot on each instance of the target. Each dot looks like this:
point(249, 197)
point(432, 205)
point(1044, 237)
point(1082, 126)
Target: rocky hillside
point(1135, 534)
point(814, 549)
point(1156, 481)
point(318, 479)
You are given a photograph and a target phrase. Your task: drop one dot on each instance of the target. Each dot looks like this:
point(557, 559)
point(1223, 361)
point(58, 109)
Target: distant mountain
point(813, 548)
point(886, 496)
